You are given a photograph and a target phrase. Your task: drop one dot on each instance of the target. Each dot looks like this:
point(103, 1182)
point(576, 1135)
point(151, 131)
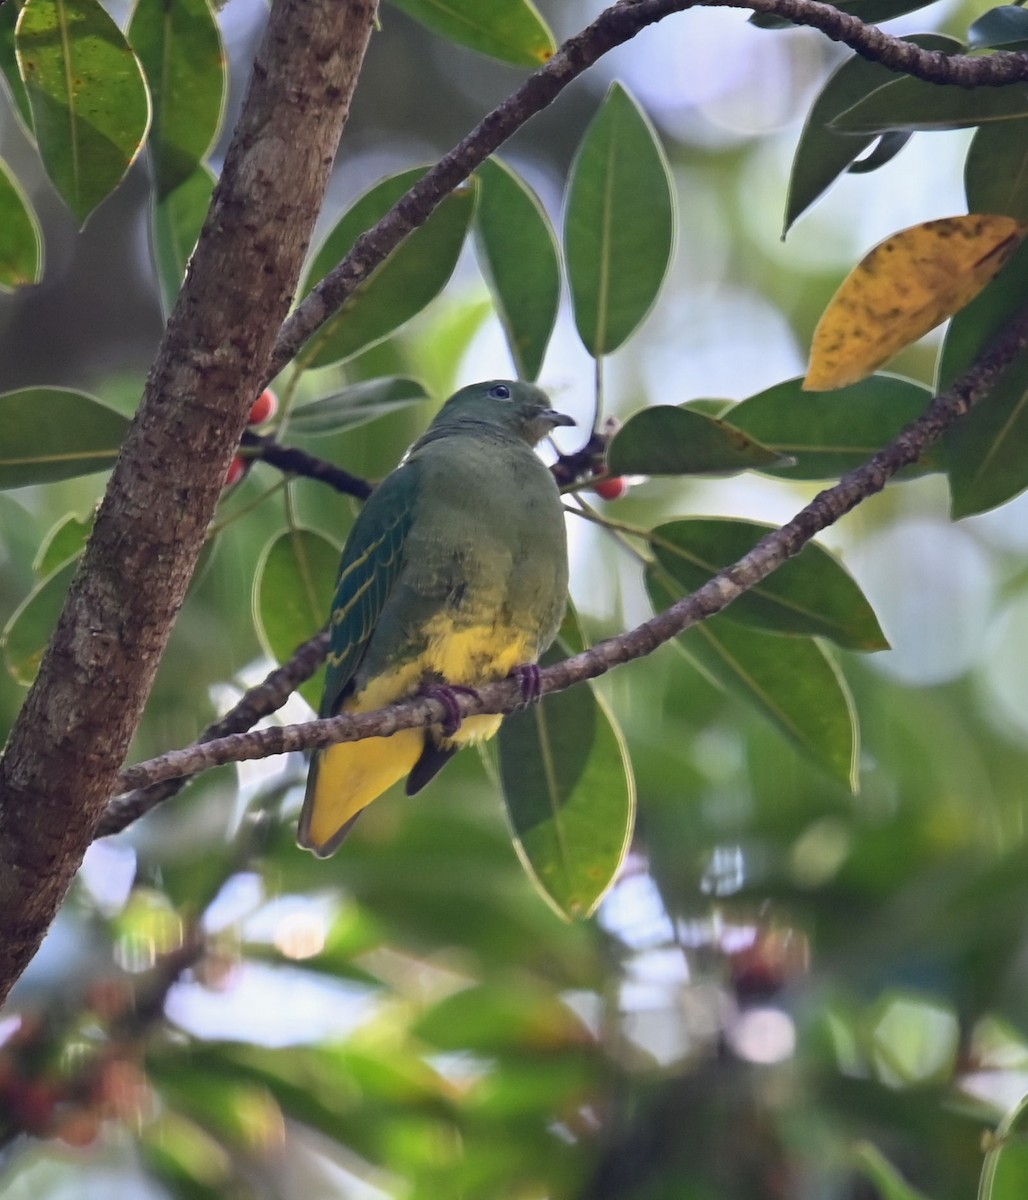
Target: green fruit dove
point(455, 573)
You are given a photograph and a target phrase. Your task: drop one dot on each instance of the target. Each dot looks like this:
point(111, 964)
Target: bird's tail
point(345, 779)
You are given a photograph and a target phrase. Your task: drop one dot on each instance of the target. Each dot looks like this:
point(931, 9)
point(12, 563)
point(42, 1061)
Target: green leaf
point(9, 14)
point(356, 405)
point(65, 540)
point(1006, 27)
point(570, 794)
point(888, 1182)
point(510, 30)
point(412, 276)
point(973, 328)
point(916, 104)
point(822, 153)
point(826, 434)
point(48, 434)
point(90, 106)
point(512, 1015)
point(294, 582)
point(988, 450)
point(793, 682)
point(21, 240)
point(810, 594)
point(175, 223)
point(1005, 1170)
point(189, 1163)
point(517, 249)
point(996, 169)
point(664, 440)
point(985, 451)
point(885, 150)
point(179, 46)
point(27, 632)
point(619, 223)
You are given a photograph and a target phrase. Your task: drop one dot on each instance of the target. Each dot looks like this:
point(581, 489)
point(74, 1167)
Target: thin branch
point(259, 702)
point(294, 461)
point(616, 25)
point(504, 696)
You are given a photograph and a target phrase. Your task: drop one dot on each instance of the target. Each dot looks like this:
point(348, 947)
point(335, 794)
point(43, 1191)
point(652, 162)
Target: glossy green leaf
point(823, 153)
point(826, 434)
point(619, 223)
point(179, 46)
point(21, 240)
point(811, 594)
point(664, 440)
point(48, 434)
point(517, 249)
point(65, 540)
point(996, 169)
point(988, 450)
point(412, 276)
point(1005, 27)
point(27, 632)
point(916, 104)
point(356, 405)
point(9, 64)
point(510, 30)
point(292, 588)
point(985, 451)
point(570, 794)
point(884, 151)
point(793, 682)
point(175, 223)
point(90, 105)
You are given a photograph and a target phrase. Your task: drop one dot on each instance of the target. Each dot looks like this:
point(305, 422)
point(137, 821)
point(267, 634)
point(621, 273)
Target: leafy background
point(793, 988)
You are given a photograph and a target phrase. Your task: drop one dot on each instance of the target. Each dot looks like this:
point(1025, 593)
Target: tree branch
point(259, 702)
point(616, 25)
point(71, 735)
point(505, 696)
point(293, 461)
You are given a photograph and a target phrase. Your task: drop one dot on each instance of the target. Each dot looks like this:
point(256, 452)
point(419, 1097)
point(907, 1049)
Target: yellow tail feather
point(348, 777)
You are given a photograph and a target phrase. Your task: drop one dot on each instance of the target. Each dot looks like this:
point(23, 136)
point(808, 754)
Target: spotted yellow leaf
point(905, 286)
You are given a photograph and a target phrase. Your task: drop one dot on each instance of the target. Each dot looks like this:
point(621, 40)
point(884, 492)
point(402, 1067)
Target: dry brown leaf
point(905, 286)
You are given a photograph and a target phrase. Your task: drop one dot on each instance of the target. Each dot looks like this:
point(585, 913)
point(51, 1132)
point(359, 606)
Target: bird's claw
point(446, 694)
point(530, 681)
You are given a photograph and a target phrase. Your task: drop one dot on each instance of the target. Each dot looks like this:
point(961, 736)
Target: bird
point(455, 573)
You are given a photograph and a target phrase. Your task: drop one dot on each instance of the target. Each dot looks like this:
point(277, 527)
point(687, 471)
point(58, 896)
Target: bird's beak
point(557, 418)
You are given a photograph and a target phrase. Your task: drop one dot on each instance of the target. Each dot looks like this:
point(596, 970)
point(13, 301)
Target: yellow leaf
point(905, 286)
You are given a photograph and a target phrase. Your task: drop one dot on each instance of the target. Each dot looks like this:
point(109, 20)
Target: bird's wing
point(370, 565)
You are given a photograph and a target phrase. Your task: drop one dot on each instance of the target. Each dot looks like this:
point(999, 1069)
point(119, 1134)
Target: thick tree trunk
point(74, 729)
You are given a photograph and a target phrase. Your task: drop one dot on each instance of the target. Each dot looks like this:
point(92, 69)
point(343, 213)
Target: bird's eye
point(500, 392)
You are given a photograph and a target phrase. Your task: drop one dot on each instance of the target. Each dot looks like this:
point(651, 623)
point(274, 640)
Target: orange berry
point(264, 408)
point(611, 488)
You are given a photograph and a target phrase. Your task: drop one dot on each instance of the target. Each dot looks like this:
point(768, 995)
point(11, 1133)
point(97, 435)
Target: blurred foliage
point(793, 988)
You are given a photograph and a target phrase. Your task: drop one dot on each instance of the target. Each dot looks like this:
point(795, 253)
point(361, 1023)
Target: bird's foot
point(530, 681)
point(446, 694)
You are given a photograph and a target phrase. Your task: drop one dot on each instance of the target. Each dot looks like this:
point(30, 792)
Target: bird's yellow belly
point(352, 774)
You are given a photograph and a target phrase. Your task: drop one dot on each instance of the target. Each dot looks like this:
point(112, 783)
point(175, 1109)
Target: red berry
point(264, 408)
point(237, 468)
point(611, 488)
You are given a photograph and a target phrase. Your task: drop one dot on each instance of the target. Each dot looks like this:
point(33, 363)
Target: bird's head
point(503, 404)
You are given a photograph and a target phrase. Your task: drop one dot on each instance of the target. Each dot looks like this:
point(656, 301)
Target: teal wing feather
point(370, 564)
